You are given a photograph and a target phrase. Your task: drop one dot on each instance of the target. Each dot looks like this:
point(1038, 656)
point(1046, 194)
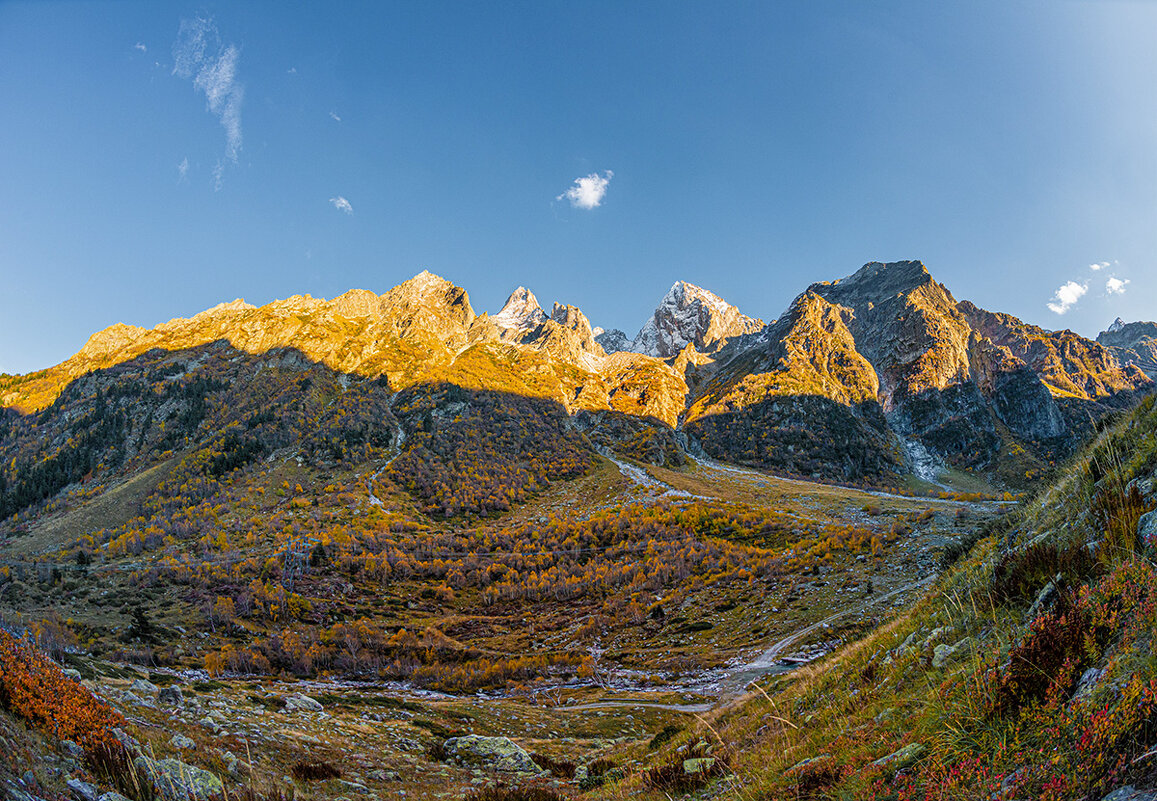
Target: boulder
point(171, 696)
point(906, 757)
point(494, 753)
point(177, 781)
point(143, 687)
point(698, 765)
point(81, 791)
point(182, 743)
point(943, 654)
point(1129, 793)
point(1147, 529)
point(112, 796)
point(302, 703)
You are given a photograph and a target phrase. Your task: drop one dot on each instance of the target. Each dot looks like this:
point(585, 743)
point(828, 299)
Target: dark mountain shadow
point(805, 435)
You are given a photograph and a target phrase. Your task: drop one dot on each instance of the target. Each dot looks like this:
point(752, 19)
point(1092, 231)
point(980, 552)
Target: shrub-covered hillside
point(1027, 672)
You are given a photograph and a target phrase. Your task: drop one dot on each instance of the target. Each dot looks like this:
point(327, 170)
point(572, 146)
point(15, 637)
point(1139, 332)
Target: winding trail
point(734, 680)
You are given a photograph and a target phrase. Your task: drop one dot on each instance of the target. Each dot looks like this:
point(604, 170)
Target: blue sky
point(158, 158)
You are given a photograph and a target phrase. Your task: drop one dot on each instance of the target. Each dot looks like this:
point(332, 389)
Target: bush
point(663, 737)
point(35, 688)
point(560, 769)
point(314, 771)
point(1020, 575)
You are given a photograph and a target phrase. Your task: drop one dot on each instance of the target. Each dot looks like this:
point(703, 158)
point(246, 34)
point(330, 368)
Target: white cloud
point(141, 47)
point(1099, 265)
point(198, 54)
point(341, 204)
point(588, 192)
point(183, 168)
point(218, 176)
point(1067, 296)
point(335, 116)
point(291, 71)
point(1116, 286)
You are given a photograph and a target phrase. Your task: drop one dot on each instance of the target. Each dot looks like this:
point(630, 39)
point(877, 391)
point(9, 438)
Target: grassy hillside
point(1026, 672)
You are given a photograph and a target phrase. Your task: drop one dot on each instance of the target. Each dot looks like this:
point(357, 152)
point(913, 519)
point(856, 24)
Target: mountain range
point(860, 379)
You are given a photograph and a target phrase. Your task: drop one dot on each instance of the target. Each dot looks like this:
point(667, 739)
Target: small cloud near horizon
point(1099, 266)
point(588, 192)
point(1067, 296)
point(341, 204)
point(140, 46)
point(183, 169)
point(1116, 286)
point(200, 56)
point(335, 116)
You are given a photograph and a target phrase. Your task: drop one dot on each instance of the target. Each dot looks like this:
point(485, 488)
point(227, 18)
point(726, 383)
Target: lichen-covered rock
point(943, 654)
point(495, 753)
point(175, 780)
point(82, 791)
point(171, 696)
point(906, 757)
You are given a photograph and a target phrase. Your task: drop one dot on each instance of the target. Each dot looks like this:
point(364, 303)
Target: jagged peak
point(237, 304)
point(880, 278)
point(1117, 325)
point(521, 311)
point(425, 282)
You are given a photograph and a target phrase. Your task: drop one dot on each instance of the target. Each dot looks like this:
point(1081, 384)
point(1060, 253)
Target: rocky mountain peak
point(876, 281)
point(689, 314)
point(612, 340)
point(1117, 325)
point(520, 312)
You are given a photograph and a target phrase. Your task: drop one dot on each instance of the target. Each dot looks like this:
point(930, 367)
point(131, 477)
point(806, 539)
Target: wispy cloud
point(291, 71)
point(1116, 286)
point(1067, 296)
point(341, 204)
point(1099, 266)
point(588, 192)
point(335, 116)
point(183, 168)
point(199, 54)
point(140, 46)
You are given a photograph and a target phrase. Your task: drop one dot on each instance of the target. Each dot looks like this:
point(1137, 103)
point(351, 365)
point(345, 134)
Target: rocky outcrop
point(612, 340)
point(1133, 345)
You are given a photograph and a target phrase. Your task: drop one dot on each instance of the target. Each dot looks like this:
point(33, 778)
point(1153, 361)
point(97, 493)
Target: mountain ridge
point(884, 354)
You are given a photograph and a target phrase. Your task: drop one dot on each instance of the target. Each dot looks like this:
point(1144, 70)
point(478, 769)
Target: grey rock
point(698, 765)
point(74, 750)
point(171, 696)
point(1044, 598)
point(1088, 684)
point(495, 753)
point(1130, 793)
point(209, 723)
point(112, 796)
point(906, 757)
point(82, 791)
point(182, 743)
point(178, 781)
point(943, 654)
point(144, 687)
point(1147, 528)
point(302, 703)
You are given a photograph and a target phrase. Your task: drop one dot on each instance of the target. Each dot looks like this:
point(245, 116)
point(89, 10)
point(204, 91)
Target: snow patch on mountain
point(520, 312)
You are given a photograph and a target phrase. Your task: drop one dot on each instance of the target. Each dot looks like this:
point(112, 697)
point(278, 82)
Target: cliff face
point(1133, 345)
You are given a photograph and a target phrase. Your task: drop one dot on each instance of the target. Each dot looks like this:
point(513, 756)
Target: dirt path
point(735, 680)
